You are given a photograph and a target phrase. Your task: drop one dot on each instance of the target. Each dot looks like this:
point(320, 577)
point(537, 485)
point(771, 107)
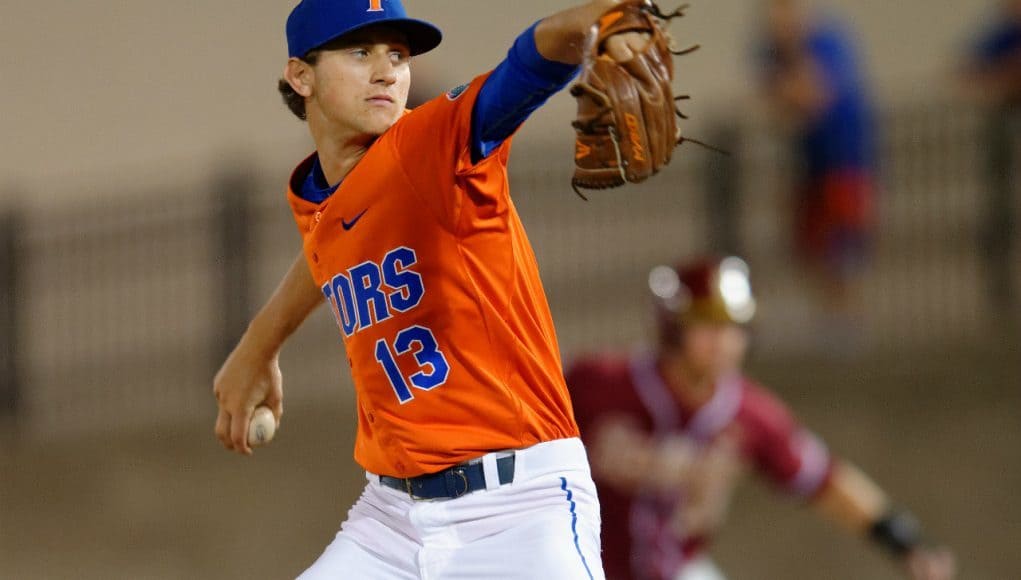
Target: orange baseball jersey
point(434, 285)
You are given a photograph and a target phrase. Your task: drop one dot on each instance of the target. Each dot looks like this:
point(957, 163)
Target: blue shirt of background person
point(1001, 41)
point(842, 135)
point(995, 66)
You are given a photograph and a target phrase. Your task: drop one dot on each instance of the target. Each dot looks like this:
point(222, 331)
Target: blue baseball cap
point(313, 23)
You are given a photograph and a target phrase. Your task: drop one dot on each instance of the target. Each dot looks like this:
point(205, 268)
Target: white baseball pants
point(545, 524)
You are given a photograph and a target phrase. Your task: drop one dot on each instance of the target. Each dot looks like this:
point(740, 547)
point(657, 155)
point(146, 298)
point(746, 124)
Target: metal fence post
point(10, 373)
point(233, 260)
point(1013, 206)
point(722, 186)
point(999, 224)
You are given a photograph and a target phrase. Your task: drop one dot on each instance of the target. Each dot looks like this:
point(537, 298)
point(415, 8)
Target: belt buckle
point(456, 494)
point(460, 473)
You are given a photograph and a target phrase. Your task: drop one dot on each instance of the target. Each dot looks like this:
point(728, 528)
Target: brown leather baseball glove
point(626, 125)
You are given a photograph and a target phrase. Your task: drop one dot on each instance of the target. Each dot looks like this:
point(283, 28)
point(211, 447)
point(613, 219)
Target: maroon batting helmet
point(707, 290)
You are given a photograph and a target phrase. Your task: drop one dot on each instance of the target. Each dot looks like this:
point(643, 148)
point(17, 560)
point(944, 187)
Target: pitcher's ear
point(300, 75)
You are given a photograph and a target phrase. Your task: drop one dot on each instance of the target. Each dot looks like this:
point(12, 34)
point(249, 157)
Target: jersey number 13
point(432, 365)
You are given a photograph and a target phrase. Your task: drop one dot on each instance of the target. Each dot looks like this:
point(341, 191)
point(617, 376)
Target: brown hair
point(294, 101)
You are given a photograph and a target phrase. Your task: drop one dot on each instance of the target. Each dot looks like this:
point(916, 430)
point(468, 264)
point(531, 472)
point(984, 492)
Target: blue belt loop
point(505, 469)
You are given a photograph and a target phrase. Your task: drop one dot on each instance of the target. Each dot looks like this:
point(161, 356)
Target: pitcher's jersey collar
point(314, 187)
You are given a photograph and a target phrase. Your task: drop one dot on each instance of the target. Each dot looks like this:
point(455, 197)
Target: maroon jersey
point(640, 537)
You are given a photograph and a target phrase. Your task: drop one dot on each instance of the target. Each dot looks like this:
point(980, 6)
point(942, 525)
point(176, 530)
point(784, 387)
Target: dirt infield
point(941, 433)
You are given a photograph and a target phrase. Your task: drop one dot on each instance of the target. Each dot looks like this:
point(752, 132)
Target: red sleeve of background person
point(778, 446)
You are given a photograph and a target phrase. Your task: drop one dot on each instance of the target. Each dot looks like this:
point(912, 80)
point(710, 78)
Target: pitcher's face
point(362, 82)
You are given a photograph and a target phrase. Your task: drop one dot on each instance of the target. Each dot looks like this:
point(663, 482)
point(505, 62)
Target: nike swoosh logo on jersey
point(350, 224)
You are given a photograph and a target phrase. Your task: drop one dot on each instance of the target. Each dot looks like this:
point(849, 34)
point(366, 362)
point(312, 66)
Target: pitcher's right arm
point(250, 376)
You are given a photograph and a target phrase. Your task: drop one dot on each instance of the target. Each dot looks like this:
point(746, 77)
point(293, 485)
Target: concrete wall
point(103, 91)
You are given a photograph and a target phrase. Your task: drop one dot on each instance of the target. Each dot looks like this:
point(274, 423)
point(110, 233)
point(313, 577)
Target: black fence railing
point(121, 310)
point(10, 297)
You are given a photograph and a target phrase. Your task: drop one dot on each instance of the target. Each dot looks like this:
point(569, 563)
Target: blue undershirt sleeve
point(517, 86)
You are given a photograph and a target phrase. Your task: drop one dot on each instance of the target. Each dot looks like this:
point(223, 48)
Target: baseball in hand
point(262, 427)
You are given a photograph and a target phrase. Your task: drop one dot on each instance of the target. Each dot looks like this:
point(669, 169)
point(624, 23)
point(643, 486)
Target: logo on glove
point(581, 150)
point(635, 136)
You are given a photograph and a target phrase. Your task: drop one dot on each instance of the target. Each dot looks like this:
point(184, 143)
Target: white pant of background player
point(701, 568)
point(545, 524)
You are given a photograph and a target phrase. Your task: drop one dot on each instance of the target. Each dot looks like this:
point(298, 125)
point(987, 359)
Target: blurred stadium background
point(142, 220)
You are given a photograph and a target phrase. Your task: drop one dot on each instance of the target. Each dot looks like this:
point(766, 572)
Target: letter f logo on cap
point(375, 6)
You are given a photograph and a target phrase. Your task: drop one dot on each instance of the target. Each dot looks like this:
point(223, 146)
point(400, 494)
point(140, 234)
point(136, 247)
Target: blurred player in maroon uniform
point(671, 432)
